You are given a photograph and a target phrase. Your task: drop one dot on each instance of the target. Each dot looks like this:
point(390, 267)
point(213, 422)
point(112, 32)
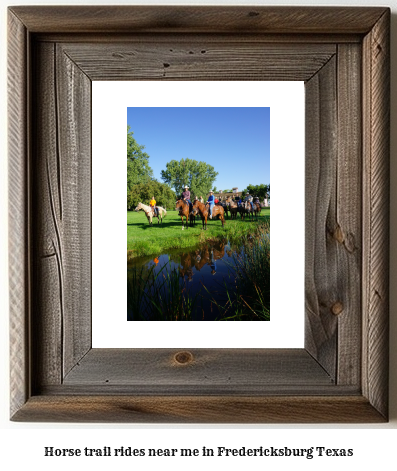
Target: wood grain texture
point(376, 93)
point(198, 19)
point(347, 225)
point(204, 60)
point(74, 124)
point(199, 409)
point(18, 181)
point(341, 376)
point(194, 39)
point(226, 368)
point(62, 208)
point(321, 257)
point(333, 215)
point(48, 281)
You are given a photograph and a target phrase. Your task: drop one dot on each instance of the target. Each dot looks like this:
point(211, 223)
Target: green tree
point(258, 190)
point(143, 192)
point(138, 169)
point(198, 176)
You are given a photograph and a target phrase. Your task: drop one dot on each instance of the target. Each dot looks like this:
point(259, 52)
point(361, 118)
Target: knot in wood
point(183, 357)
point(337, 308)
point(338, 235)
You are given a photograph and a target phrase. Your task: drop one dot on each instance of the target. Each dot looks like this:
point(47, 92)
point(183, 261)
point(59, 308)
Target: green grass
point(143, 239)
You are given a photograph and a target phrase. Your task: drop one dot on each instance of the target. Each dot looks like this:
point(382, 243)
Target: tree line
point(262, 191)
point(141, 185)
point(199, 176)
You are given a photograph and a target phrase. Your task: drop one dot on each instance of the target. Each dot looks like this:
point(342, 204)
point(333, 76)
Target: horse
point(247, 209)
point(257, 209)
point(203, 210)
point(184, 211)
point(149, 211)
point(224, 206)
point(233, 208)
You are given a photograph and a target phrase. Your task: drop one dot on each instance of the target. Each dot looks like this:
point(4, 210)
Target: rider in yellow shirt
point(153, 205)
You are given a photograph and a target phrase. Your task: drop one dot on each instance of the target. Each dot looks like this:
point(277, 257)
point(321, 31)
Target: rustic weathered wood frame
point(342, 54)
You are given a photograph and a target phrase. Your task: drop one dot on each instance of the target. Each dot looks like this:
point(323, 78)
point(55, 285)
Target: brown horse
point(233, 208)
point(203, 210)
point(184, 212)
point(257, 209)
point(248, 210)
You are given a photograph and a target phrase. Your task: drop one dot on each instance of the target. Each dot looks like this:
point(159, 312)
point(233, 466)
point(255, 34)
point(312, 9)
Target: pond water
point(210, 265)
point(203, 278)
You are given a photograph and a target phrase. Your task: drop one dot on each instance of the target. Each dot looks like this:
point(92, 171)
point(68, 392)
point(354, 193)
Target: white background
point(286, 102)
point(22, 444)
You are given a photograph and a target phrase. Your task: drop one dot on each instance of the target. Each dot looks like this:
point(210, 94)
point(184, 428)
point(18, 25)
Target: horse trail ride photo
point(178, 269)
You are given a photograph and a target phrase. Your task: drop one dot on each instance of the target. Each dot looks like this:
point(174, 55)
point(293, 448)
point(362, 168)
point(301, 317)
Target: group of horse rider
point(211, 200)
point(186, 197)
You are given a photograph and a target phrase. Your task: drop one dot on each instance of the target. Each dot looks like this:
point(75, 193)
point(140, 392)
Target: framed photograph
point(340, 375)
point(236, 138)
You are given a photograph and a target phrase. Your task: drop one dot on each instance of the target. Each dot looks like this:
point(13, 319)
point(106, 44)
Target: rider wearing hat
point(249, 198)
point(186, 195)
point(211, 202)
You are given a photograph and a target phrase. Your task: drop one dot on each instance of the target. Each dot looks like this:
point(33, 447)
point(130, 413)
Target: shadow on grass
point(168, 224)
point(159, 226)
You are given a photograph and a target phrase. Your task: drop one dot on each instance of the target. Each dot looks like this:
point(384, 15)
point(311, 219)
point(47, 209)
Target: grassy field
point(143, 239)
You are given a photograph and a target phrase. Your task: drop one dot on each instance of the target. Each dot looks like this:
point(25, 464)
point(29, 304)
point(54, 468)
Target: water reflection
point(209, 264)
point(189, 261)
point(213, 281)
point(195, 260)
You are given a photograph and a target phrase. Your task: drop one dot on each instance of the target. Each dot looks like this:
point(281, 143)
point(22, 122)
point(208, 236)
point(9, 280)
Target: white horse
point(149, 211)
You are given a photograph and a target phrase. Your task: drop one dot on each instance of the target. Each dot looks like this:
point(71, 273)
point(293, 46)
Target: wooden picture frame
point(342, 54)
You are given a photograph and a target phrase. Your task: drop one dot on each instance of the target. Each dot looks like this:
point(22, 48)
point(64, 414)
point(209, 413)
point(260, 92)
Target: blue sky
point(235, 141)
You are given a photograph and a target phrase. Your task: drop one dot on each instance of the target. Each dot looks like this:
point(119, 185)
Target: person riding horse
point(186, 197)
point(249, 198)
point(152, 204)
point(211, 202)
